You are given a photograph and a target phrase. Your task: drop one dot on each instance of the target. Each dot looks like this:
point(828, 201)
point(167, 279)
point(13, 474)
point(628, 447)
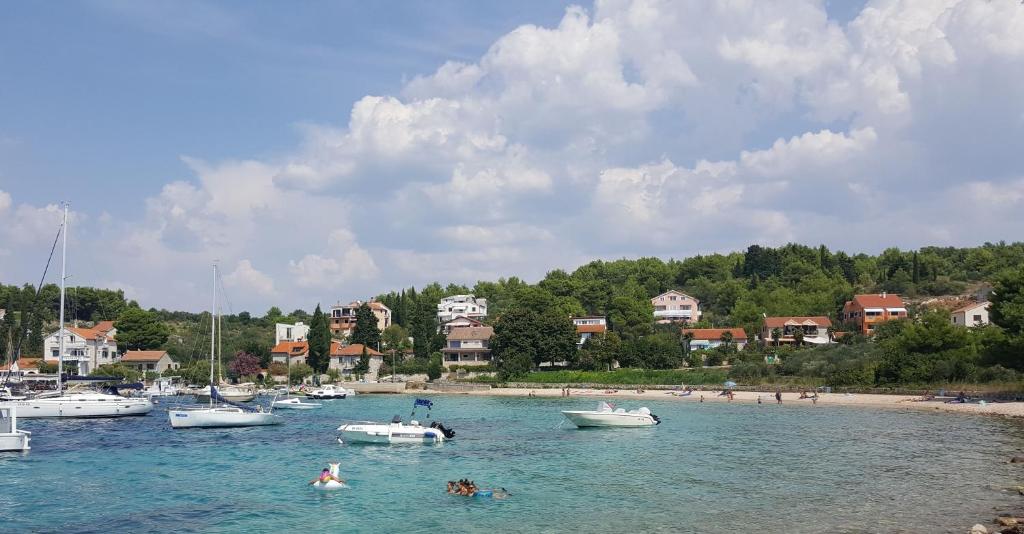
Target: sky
point(326, 151)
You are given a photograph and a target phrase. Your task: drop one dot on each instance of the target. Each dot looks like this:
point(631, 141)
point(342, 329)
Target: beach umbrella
point(730, 384)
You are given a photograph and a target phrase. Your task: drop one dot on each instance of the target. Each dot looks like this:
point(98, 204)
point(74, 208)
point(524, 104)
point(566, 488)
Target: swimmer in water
point(325, 477)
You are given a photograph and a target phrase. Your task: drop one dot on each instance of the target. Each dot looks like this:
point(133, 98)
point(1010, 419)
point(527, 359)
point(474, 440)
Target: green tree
point(435, 368)
point(366, 331)
point(395, 337)
point(319, 340)
point(630, 317)
point(363, 365)
point(46, 367)
point(299, 372)
point(138, 329)
point(776, 335)
point(117, 370)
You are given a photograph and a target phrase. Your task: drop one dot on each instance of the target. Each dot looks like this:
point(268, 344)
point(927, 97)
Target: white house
point(973, 314)
point(461, 306)
point(458, 322)
point(290, 332)
point(84, 348)
point(676, 306)
point(157, 361)
point(589, 326)
point(709, 338)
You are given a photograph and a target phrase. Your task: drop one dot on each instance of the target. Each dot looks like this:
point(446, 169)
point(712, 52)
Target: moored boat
point(394, 432)
point(12, 439)
point(80, 405)
point(329, 392)
point(295, 403)
point(607, 415)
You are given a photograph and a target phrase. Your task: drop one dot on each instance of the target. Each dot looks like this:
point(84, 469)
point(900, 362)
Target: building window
point(977, 318)
point(673, 297)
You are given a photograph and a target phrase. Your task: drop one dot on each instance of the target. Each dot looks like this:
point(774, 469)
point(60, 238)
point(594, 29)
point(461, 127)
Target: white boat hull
point(15, 441)
point(295, 404)
point(609, 419)
point(71, 406)
point(219, 417)
point(231, 394)
point(389, 433)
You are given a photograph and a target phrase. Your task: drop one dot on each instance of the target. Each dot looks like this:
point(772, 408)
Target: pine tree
point(366, 331)
point(319, 339)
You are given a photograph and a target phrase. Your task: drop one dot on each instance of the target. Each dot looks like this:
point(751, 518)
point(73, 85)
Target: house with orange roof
point(342, 319)
point(24, 366)
point(344, 358)
point(589, 326)
point(810, 330)
point(84, 348)
point(157, 361)
point(296, 350)
point(971, 314)
point(709, 338)
point(866, 312)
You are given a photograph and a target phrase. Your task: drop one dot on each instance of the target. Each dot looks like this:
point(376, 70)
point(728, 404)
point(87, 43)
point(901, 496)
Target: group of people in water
point(468, 488)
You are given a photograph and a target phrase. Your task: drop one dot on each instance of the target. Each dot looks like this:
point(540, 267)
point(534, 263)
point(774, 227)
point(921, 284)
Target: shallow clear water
point(708, 467)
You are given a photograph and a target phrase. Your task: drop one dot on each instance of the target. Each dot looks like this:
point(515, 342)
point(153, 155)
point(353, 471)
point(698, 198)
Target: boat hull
point(389, 434)
point(58, 408)
point(15, 441)
point(220, 418)
point(295, 404)
point(584, 419)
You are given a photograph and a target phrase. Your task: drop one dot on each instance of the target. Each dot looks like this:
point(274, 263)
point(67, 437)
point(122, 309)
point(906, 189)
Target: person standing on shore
point(778, 396)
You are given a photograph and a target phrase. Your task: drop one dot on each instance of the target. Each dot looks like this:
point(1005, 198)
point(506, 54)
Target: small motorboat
point(12, 439)
point(394, 432)
point(328, 392)
point(331, 484)
point(608, 415)
point(295, 403)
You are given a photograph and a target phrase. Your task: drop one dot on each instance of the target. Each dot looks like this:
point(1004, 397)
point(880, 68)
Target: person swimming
point(325, 477)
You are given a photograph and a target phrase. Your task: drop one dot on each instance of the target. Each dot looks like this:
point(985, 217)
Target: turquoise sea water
point(709, 467)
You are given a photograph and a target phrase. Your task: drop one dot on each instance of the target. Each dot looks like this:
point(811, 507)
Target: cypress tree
point(319, 339)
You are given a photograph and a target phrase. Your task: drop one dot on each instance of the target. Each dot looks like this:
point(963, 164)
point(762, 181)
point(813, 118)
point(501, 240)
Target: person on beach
point(702, 398)
point(731, 394)
point(814, 399)
point(778, 396)
point(759, 399)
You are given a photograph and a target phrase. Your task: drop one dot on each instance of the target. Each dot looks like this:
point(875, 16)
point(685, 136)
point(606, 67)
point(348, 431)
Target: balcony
point(673, 314)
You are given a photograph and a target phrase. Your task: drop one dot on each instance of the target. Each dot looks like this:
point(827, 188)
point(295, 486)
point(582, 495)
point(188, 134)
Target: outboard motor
point(657, 420)
point(448, 433)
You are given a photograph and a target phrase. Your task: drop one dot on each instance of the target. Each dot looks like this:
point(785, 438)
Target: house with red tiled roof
point(675, 306)
point(344, 358)
point(296, 350)
point(809, 330)
point(26, 366)
point(157, 361)
point(709, 338)
point(589, 326)
point(970, 314)
point(85, 349)
point(867, 311)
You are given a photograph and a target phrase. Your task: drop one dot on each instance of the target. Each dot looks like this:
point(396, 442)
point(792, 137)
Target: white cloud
point(634, 128)
point(248, 278)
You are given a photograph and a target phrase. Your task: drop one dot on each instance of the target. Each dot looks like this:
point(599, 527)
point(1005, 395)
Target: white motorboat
point(12, 439)
point(161, 387)
point(329, 392)
point(228, 414)
point(394, 432)
point(80, 404)
point(295, 403)
point(607, 415)
point(231, 393)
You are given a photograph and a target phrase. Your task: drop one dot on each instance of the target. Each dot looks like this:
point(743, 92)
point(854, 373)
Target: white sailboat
point(289, 402)
point(75, 404)
point(228, 414)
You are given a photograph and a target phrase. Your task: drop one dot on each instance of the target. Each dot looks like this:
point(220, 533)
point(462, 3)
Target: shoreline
point(868, 400)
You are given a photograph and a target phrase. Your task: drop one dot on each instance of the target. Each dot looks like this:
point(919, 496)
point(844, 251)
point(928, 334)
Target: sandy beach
point(1007, 409)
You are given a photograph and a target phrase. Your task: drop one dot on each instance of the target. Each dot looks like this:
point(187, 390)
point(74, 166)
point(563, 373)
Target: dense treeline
point(735, 290)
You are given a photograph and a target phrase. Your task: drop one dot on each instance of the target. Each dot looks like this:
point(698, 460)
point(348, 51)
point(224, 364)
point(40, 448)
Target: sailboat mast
point(63, 276)
point(213, 329)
